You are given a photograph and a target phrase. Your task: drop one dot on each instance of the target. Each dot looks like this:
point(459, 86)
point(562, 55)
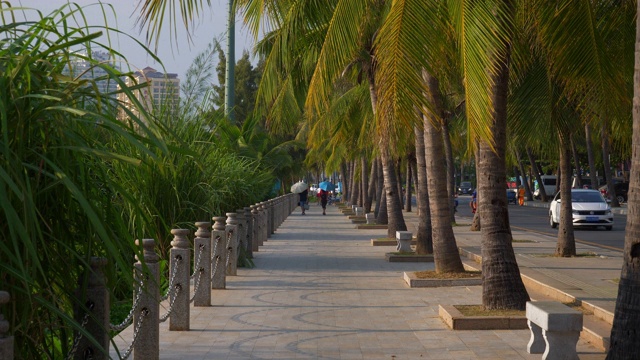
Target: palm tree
point(625, 343)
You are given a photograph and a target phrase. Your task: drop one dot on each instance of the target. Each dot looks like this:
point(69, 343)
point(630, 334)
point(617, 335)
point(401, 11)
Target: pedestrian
point(474, 201)
point(303, 200)
point(521, 195)
point(324, 198)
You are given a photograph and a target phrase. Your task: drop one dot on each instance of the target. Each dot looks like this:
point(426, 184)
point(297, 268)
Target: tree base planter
point(371, 227)
point(355, 217)
point(414, 282)
point(394, 257)
point(358, 221)
point(387, 242)
point(457, 321)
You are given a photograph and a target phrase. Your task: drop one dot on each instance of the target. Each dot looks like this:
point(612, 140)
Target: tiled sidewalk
point(321, 291)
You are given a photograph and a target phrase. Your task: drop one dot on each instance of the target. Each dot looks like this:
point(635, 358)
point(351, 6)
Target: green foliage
point(246, 86)
point(77, 183)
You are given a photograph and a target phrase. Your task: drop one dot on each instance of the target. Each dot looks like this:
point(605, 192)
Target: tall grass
point(75, 182)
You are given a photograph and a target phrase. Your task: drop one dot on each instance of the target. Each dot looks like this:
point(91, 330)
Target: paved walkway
point(321, 291)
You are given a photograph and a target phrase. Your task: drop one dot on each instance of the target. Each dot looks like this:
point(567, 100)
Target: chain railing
point(76, 341)
point(254, 225)
point(171, 304)
point(172, 279)
point(197, 271)
point(134, 306)
point(143, 314)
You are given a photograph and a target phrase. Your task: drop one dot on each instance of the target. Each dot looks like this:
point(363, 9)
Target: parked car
point(622, 190)
point(549, 183)
point(465, 188)
point(589, 209)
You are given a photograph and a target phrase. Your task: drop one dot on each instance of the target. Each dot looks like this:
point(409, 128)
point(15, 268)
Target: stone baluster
point(148, 311)
point(97, 307)
point(272, 215)
point(6, 341)
point(278, 212)
point(180, 263)
point(231, 231)
point(263, 223)
point(219, 259)
point(242, 232)
point(267, 213)
point(278, 219)
point(249, 231)
point(255, 241)
point(202, 249)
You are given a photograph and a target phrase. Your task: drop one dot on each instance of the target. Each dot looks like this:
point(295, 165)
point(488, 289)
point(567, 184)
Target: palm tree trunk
point(566, 245)
point(398, 169)
point(475, 223)
point(355, 186)
point(379, 192)
point(448, 155)
point(383, 215)
point(606, 147)
point(343, 170)
point(625, 339)
point(424, 237)
point(414, 176)
point(591, 157)
point(502, 286)
point(532, 161)
point(364, 191)
point(527, 189)
point(445, 250)
point(394, 204)
point(407, 199)
point(371, 188)
point(576, 162)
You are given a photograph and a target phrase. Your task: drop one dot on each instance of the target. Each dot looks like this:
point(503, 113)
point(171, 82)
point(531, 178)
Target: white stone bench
point(555, 330)
point(371, 218)
point(404, 241)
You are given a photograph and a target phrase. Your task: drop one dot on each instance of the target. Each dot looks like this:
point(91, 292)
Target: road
point(537, 220)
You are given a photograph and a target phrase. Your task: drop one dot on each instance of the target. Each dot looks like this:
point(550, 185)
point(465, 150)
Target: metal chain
point(215, 268)
point(197, 285)
point(173, 301)
point(136, 331)
point(213, 256)
point(196, 266)
point(229, 236)
point(85, 320)
point(129, 318)
point(172, 279)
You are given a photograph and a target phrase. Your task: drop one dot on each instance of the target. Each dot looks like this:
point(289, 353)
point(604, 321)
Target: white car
point(589, 209)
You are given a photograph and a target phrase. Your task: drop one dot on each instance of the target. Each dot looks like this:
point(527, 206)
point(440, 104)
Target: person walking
point(521, 195)
point(303, 200)
point(324, 198)
point(474, 201)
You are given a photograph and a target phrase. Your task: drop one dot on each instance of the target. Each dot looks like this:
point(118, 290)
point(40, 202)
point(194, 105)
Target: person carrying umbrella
point(325, 187)
point(303, 200)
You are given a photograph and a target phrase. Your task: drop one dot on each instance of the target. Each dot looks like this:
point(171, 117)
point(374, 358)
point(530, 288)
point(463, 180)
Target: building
point(162, 92)
point(86, 69)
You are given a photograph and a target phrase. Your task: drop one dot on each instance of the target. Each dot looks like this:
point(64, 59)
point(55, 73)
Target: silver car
point(589, 209)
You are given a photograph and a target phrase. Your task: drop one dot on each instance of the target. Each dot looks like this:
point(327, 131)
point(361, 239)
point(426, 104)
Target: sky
point(211, 23)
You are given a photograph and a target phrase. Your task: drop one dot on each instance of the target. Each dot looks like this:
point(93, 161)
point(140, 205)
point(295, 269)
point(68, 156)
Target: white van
point(550, 185)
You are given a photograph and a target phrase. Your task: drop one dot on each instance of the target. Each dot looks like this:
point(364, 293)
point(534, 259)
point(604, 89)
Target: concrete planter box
point(387, 242)
point(457, 321)
point(413, 281)
point(408, 258)
point(354, 217)
point(371, 227)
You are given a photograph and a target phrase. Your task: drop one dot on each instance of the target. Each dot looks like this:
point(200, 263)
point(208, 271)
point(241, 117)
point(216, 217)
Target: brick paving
point(321, 291)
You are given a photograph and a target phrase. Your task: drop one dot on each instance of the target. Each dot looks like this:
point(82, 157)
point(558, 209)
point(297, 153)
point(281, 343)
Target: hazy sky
point(176, 58)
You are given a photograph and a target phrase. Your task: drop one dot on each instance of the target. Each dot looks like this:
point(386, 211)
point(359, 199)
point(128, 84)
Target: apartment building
point(162, 92)
point(84, 69)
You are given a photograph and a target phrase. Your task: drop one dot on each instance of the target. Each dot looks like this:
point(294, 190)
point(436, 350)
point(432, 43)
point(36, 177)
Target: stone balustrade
point(215, 256)
point(6, 341)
